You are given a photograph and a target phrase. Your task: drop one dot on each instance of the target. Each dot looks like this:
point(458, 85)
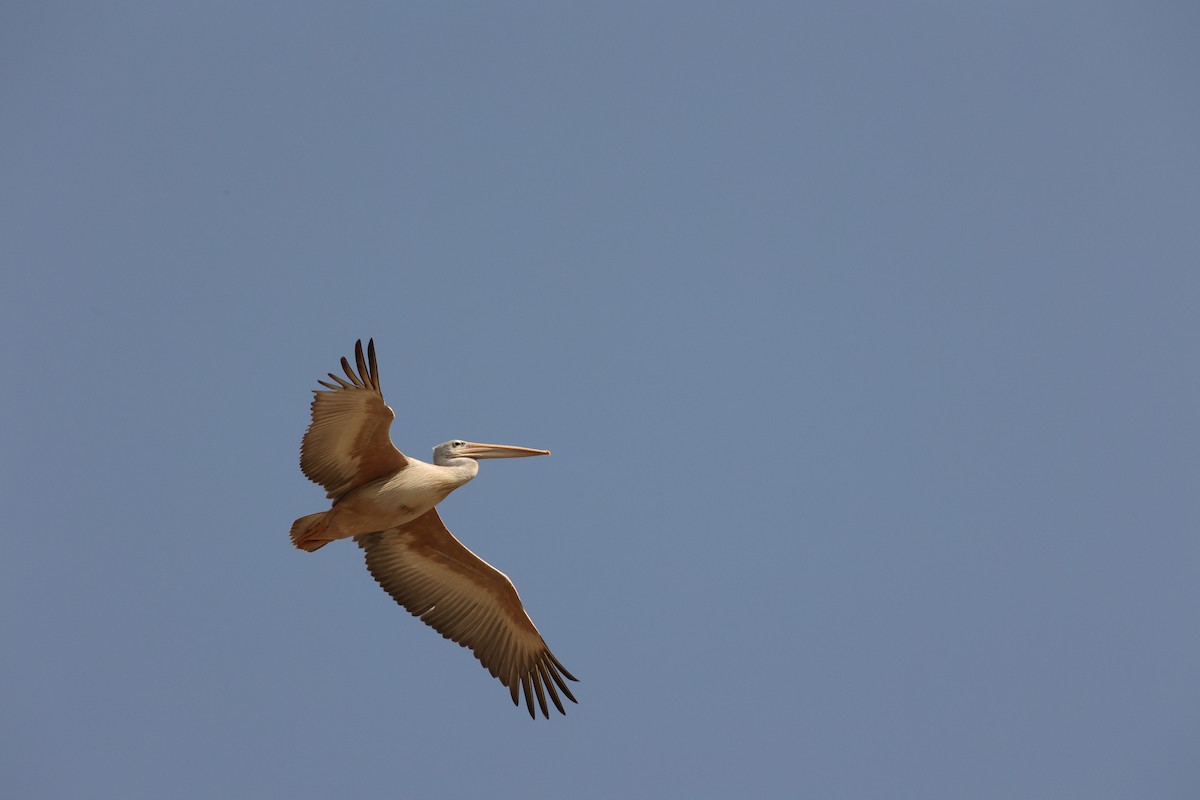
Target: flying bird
point(387, 502)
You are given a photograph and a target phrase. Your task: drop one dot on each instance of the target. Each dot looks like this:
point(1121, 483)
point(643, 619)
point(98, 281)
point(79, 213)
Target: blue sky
point(865, 336)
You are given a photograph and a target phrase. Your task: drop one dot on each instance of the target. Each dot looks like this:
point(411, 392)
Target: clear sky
point(866, 337)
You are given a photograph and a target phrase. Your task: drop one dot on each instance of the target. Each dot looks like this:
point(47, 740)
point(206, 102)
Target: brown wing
point(458, 594)
point(347, 443)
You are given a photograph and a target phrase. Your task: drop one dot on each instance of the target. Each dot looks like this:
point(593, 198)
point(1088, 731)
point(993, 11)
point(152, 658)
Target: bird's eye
point(458, 443)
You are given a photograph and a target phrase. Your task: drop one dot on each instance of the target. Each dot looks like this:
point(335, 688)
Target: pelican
point(387, 502)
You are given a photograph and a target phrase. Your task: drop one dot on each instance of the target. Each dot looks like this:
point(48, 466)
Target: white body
point(398, 499)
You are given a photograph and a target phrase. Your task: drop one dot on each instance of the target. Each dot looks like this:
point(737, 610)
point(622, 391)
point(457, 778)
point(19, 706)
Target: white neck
point(461, 470)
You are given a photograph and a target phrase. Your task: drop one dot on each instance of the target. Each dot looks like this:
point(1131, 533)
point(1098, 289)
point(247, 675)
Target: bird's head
point(457, 448)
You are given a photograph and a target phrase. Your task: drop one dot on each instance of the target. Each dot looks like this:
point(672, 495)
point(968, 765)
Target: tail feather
point(308, 533)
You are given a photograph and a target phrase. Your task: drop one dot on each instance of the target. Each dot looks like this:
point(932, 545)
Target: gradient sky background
point(865, 335)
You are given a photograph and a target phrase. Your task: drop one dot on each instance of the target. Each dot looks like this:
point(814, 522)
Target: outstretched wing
point(458, 594)
point(347, 443)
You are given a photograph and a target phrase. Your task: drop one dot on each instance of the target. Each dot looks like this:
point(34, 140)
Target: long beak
point(477, 450)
